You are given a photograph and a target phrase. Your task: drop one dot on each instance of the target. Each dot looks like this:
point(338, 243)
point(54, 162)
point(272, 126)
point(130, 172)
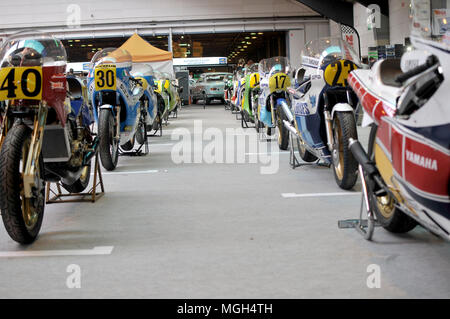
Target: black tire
point(108, 144)
point(12, 203)
point(345, 166)
point(305, 155)
point(389, 216)
point(141, 134)
point(81, 183)
point(283, 137)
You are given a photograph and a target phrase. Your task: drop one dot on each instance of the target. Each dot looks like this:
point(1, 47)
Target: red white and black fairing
point(418, 146)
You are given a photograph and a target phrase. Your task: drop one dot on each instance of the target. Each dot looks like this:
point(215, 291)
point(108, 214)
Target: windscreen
point(32, 49)
point(319, 53)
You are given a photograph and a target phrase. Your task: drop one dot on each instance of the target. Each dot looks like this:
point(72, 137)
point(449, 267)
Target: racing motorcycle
point(250, 95)
point(228, 91)
point(238, 84)
point(116, 97)
point(321, 119)
point(273, 98)
point(45, 134)
point(405, 171)
point(144, 72)
point(167, 94)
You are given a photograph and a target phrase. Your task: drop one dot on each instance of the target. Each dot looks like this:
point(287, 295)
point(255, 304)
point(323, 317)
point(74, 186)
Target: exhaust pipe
point(286, 110)
point(361, 156)
point(290, 127)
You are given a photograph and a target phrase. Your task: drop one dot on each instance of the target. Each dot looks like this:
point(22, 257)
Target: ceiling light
point(247, 38)
point(254, 37)
point(260, 33)
point(245, 47)
point(89, 45)
point(77, 40)
point(249, 43)
point(253, 33)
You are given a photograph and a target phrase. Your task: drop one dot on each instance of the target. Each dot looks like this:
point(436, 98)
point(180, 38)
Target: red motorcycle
point(405, 171)
point(45, 133)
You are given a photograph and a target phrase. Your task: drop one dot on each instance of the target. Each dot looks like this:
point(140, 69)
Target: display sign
point(21, 83)
point(201, 61)
point(105, 77)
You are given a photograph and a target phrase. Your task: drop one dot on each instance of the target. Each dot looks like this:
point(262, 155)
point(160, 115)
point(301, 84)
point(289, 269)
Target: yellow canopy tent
point(143, 52)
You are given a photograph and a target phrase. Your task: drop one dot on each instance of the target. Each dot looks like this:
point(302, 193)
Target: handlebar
point(431, 61)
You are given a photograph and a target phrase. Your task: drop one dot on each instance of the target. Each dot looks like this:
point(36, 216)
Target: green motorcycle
point(249, 97)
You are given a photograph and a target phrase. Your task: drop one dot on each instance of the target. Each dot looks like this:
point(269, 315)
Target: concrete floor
point(219, 231)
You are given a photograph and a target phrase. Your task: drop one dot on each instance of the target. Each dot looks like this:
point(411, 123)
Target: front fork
point(4, 126)
point(32, 164)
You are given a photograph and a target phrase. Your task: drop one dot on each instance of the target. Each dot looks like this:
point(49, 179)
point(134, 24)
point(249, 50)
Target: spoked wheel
point(21, 216)
point(109, 142)
point(345, 166)
point(384, 206)
point(81, 183)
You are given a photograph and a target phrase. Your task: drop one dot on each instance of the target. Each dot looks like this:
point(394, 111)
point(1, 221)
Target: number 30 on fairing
point(105, 77)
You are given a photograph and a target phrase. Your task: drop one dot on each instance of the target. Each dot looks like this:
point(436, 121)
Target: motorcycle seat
point(388, 71)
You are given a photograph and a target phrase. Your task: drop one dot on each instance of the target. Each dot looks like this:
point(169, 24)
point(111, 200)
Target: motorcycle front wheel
point(108, 144)
point(21, 216)
point(283, 132)
point(345, 166)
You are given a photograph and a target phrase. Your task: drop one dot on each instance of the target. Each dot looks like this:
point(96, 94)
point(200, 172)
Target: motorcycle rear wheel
point(305, 155)
point(21, 216)
point(388, 215)
point(108, 144)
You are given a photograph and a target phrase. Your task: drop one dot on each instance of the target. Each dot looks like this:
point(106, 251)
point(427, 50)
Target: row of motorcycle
point(53, 124)
point(314, 111)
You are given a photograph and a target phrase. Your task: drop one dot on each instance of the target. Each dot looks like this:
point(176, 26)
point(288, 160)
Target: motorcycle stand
point(91, 196)
point(137, 152)
point(244, 123)
point(295, 162)
point(365, 227)
point(159, 129)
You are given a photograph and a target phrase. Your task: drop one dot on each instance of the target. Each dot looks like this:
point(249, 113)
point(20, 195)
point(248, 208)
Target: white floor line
point(100, 250)
point(291, 195)
point(265, 153)
point(151, 171)
point(160, 144)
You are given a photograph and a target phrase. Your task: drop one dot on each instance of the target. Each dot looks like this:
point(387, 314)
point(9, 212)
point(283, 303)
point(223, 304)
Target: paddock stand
point(244, 122)
point(137, 152)
point(295, 162)
point(364, 226)
point(158, 129)
point(91, 196)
